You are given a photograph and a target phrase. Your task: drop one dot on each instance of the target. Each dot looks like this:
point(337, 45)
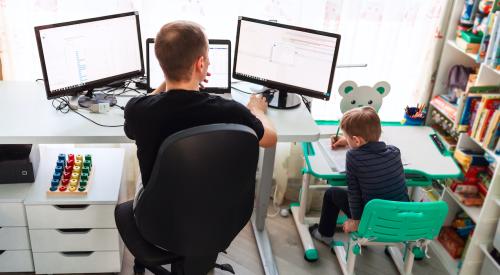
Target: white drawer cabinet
point(60, 240)
point(15, 253)
point(12, 214)
point(14, 238)
point(16, 261)
point(77, 262)
point(76, 234)
point(70, 216)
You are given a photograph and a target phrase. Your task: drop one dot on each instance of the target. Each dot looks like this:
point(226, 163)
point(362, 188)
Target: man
point(182, 51)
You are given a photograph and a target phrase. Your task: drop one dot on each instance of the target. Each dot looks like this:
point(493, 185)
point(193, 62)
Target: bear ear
point(383, 88)
point(347, 87)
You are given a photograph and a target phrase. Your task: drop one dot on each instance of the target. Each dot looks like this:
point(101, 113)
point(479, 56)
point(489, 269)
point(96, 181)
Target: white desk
point(28, 118)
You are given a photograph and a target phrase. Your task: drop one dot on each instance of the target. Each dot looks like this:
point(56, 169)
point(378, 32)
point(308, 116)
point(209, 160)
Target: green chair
point(411, 225)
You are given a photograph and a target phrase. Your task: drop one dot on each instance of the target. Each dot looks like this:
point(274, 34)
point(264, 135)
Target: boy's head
point(361, 125)
point(181, 48)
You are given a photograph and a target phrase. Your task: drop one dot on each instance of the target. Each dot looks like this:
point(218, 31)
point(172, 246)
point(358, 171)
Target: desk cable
point(63, 107)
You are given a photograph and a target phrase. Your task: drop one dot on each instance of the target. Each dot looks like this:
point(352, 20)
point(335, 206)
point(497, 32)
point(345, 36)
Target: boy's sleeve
point(353, 188)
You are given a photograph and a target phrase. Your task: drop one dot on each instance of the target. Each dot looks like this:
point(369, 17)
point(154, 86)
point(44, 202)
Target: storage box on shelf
point(76, 233)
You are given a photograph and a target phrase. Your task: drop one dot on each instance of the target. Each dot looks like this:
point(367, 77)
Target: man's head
point(361, 125)
point(182, 51)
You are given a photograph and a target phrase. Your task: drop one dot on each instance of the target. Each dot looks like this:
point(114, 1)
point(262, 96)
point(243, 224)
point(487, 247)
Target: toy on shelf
point(72, 175)
point(454, 237)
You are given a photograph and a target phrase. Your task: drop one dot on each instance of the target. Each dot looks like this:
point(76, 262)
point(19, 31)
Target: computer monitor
point(81, 55)
point(285, 58)
point(219, 53)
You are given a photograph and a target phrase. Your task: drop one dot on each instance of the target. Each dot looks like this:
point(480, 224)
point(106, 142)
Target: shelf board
point(472, 211)
point(489, 68)
point(489, 151)
point(453, 44)
point(497, 200)
point(449, 263)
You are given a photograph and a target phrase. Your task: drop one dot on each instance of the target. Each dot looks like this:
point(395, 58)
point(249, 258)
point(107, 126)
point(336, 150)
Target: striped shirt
point(374, 171)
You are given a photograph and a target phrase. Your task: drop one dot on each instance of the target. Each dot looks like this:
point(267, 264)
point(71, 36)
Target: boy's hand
point(257, 103)
point(338, 142)
point(205, 80)
point(350, 225)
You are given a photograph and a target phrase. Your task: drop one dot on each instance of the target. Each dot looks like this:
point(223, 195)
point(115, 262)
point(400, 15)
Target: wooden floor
point(244, 257)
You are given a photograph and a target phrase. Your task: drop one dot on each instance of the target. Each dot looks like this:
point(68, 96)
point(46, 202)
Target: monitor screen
point(219, 54)
point(284, 57)
point(85, 54)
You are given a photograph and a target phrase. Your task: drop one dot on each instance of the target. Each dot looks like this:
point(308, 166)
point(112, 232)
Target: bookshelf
point(486, 216)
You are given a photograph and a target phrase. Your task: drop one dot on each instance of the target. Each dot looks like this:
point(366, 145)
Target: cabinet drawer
point(12, 214)
point(16, 261)
point(70, 216)
point(55, 240)
point(85, 262)
point(14, 238)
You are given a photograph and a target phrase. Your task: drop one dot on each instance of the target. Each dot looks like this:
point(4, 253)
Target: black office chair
point(199, 197)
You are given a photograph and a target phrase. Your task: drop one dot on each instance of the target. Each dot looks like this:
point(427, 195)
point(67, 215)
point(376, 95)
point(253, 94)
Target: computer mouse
point(268, 95)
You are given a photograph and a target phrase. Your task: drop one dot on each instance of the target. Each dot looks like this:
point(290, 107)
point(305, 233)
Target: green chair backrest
point(393, 221)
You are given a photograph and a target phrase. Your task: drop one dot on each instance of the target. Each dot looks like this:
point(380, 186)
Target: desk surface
point(104, 187)
point(28, 117)
point(415, 145)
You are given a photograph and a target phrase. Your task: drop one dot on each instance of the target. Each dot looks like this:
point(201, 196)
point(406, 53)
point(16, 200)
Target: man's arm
point(258, 106)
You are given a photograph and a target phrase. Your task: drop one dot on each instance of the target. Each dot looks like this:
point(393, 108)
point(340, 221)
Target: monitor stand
point(281, 100)
point(91, 98)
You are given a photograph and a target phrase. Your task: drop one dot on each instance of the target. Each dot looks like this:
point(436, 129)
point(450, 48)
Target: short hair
point(362, 122)
point(178, 45)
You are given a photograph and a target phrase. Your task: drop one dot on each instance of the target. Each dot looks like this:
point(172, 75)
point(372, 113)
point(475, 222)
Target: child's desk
point(424, 163)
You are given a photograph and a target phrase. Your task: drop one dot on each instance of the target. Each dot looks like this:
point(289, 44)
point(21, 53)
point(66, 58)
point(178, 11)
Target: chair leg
point(139, 268)
point(408, 262)
point(351, 258)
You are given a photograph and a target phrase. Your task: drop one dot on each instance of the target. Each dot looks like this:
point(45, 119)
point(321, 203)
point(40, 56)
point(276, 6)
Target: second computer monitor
point(219, 54)
point(286, 58)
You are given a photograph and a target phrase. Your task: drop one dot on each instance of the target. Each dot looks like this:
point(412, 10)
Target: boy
point(182, 51)
point(373, 171)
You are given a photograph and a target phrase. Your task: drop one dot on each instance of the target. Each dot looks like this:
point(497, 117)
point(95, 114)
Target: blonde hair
point(362, 122)
point(177, 46)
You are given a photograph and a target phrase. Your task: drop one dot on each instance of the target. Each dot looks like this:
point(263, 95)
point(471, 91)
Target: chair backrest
point(393, 221)
point(201, 191)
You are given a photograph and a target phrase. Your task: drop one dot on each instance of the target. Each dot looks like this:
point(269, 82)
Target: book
point(494, 139)
point(492, 127)
point(493, 37)
point(470, 104)
point(483, 114)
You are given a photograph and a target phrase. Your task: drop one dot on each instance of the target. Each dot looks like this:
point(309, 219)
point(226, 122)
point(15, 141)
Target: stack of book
point(478, 114)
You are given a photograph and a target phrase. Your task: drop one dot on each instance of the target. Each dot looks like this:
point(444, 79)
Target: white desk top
point(28, 117)
point(415, 145)
point(104, 187)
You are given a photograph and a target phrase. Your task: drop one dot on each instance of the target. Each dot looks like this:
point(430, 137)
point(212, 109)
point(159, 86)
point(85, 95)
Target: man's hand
point(257, 103)
point(350, 225)
point(205, 81)
point(338, 142)
point(160, 89)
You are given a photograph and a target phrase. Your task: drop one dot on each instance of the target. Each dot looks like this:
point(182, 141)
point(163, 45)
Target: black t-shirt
point(150, 120)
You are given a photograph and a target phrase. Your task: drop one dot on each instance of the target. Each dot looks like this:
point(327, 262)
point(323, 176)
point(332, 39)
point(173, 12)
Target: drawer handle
point(71, 206)
point(2, 251)
point(77, 253)
point(74, 230)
